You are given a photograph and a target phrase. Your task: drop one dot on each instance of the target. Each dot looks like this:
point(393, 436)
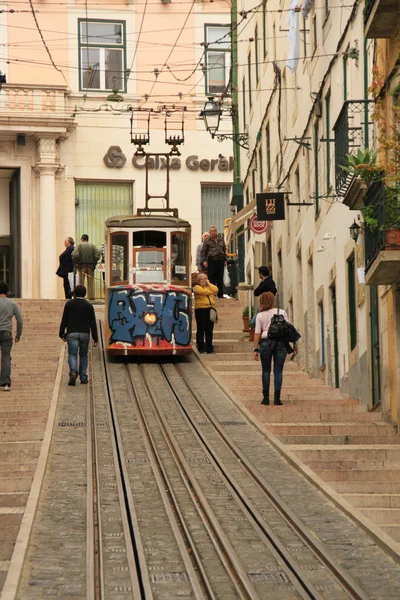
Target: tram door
point(94, 203)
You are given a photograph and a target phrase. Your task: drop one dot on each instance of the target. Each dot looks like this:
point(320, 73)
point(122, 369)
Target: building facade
point(74, 73)
point(305, 76)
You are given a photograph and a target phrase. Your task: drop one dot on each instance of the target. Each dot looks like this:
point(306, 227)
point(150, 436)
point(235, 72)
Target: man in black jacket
point(213, 256)
point(267, 284)
point(79, 320)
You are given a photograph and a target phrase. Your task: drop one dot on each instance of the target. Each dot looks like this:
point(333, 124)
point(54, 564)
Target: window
point(351, 284)
point(256, 54)
point(315, 37)
point(327, 135)
point(268, 140)
point(218, 54)
point(119, 257)
point(149, 256)
point(260, 167)
point(316, 166)
point(102, 55)
point(244, 101)
point(179, 257)
point(249, 77)
point(265, 28)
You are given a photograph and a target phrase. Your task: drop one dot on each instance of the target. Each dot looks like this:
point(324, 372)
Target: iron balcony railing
point(353, 129)
point(369, 5)
point(382, 207)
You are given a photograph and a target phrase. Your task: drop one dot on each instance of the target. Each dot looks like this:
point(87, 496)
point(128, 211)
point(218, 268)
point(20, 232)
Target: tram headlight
point(150, 318)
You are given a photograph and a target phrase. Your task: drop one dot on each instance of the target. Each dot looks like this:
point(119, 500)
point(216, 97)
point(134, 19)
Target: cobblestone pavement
point(174, 495)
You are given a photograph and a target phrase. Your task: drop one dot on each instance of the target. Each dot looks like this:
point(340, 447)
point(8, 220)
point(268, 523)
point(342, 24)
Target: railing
point(353, 129)
point(381, 204)
point(369, 5)
point(32, 98)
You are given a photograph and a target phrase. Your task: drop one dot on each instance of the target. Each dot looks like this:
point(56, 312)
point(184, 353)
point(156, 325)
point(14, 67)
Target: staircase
point(351, 449)
point(23, 415)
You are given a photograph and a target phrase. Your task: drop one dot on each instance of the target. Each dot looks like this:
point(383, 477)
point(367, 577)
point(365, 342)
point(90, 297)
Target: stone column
point(47, 167)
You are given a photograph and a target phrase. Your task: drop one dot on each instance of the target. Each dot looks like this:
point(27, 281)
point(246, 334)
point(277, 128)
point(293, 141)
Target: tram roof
point(146, 221)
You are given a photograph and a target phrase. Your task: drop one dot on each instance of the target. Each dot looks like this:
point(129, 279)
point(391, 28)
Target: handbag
point(213, 313)
point(227, 279)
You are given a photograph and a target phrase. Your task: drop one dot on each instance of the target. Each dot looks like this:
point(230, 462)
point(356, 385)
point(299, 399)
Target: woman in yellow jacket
point(204, 298)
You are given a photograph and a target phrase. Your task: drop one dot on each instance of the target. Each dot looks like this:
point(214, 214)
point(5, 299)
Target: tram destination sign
point(116, 159)
point(271, 206)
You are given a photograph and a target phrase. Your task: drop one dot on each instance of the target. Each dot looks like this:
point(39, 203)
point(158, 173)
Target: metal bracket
point(242, 139)
point(299, 141)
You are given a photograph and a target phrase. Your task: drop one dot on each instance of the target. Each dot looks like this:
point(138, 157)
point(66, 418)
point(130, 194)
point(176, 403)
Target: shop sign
point(116, 159)
point(271, 207)
point(257, 226)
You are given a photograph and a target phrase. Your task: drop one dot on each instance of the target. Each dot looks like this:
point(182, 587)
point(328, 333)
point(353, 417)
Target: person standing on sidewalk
point(214, 257)
point(8, 310)
point(199, 248)
point(204, 299)
point(77, 322)
point(85, 256)
point(66, 266)
point(269, 349)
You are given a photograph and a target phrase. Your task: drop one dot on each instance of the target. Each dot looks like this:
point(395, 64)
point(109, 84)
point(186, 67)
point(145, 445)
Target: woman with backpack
point(271, 341)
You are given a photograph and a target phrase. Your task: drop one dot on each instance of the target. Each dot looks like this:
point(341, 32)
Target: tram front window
point(119, 257)
point(149, 256)
point(179, 258)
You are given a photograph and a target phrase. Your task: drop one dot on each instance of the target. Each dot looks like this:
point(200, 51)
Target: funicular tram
point(148, 285)
point(148, 294)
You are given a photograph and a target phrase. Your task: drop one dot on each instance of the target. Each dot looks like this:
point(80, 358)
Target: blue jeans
point(279, 353)
point(78, 341)
point(6, 342)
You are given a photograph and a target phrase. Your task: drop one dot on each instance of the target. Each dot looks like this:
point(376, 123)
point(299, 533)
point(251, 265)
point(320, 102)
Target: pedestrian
point(204, 299)
point(271, 348)
point(267, 284)
point(66, 266)
point(213, 255)
point(8, 310)
point(85, 256)
point(199, 262)
point(77, 322)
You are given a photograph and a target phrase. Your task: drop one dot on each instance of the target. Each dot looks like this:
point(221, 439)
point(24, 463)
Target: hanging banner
point(271, 207)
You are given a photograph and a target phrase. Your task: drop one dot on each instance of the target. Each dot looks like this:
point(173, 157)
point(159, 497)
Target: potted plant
point(392, 218)
point(246, 318)
point(363, 166)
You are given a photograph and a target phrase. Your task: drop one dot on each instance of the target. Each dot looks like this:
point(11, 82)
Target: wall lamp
point(211, 114)
point(354, 231)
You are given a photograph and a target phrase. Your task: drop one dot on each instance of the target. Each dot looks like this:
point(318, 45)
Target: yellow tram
point(148, 305)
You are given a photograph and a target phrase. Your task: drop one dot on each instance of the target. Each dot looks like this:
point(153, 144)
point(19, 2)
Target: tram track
point(195, 485)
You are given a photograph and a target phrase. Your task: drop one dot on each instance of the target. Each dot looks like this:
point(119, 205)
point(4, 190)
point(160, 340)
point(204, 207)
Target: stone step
point(373, 500)
point(392, 530)
point(348, 453)
point(31, 413)
point(314, 417)
point(15, 484)
point(297, 410)
point(334, 429)
point(18, 452)
point(13, 436)
point(352, 464)
point(305, 399)
point(339, 439)
point(383, 516)
point(392, 476)
point(12, 500)
point(366, 487)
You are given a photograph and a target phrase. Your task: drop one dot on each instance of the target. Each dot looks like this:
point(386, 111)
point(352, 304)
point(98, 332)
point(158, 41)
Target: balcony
point(33, 108)
point(381, 18)
point(382, 235)
point(353, 129)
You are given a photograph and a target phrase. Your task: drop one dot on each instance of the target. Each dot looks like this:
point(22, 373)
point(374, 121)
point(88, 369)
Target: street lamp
point(354, 231)
point(211, 114)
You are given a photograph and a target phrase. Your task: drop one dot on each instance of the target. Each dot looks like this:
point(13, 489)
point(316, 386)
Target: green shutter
point(351, 275)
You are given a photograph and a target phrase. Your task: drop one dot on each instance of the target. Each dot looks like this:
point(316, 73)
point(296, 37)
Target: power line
point(138, 38)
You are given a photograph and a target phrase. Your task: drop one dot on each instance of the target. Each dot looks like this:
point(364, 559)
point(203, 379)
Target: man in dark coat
point(213, 256)
point(66, 265)
point(267, 284)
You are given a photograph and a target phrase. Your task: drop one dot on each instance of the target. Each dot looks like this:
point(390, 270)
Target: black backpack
point(279, 328)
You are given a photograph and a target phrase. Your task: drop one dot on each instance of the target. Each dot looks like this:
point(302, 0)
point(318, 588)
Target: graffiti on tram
point(149, 316)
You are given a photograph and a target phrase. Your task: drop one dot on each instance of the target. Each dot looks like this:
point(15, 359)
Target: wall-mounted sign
point(257, 226)
point(271, 207)
point(116, 159)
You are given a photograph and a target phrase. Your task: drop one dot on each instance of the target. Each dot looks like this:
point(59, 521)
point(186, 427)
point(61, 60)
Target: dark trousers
point(205, 328)
point(67, 288)
point(216, 274)
point(6, 343)
point(278, 353)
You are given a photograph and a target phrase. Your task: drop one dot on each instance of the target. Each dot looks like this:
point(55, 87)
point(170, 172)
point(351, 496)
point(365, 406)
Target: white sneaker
point(7, 388)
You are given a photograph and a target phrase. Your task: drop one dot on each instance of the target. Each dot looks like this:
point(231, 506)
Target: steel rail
point(141, 588)
point(226, 553)
point(348, 583)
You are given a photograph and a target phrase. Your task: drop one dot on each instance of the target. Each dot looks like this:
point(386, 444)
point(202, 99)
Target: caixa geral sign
point(116, 159)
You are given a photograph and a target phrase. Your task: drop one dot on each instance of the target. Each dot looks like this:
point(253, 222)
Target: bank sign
point(116, 159)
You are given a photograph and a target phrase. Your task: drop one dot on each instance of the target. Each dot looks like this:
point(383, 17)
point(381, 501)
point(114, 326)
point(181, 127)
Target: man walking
point(267, 284)
point(85, 256)
point(214, 257)
point(77, 322)
point(8, 310)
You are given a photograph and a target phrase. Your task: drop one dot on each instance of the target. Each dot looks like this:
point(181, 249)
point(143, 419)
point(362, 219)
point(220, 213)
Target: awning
point(242, 216)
